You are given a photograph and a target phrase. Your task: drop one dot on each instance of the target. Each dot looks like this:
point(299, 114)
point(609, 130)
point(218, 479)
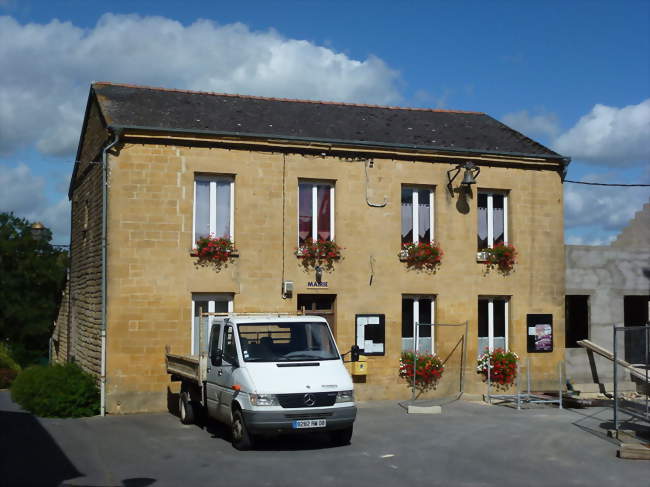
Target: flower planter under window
point(215, 251)
point(427, 368)
point(319, 253)
point(501, 257)
point(502, 366)
point(421, 255)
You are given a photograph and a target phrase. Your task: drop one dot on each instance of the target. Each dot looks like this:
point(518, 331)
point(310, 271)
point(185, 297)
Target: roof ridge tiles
point(295, 100)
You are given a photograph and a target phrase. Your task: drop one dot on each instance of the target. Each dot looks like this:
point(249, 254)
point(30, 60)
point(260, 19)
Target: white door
point(224, 373)
point(213, 373)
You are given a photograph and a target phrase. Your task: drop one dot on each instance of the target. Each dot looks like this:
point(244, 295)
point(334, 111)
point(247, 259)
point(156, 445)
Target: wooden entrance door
point(319, 305)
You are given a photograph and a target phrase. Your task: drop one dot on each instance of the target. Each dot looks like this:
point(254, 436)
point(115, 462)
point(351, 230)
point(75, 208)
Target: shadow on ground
point(29, 455)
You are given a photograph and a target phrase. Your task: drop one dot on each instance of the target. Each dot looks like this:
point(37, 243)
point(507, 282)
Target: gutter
point(348, 143)
point(102, 378)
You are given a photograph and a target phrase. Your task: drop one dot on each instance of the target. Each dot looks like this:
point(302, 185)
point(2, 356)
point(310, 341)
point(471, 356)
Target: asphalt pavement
point(469, 444)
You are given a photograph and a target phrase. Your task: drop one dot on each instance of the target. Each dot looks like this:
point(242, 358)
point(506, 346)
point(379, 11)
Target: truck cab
point(270, 374)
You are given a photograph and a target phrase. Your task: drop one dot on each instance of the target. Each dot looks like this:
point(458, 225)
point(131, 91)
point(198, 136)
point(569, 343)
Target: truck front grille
point(308, 416)
point(307, 400)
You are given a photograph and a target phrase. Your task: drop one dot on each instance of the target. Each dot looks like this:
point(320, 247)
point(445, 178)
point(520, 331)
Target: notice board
point(540, 333)
point(370, 333)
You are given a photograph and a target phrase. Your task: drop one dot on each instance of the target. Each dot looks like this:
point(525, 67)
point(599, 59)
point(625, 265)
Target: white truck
point(264, 374)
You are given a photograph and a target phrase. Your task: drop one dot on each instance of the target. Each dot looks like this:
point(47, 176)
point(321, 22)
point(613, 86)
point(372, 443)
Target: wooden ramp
point(603, 352)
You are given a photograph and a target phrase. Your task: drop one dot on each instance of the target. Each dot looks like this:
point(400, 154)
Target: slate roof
point(129, 106)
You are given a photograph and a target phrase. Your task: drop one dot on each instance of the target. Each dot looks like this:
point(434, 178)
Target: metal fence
point(521, 398)
point(635, 410)
point(459, 348)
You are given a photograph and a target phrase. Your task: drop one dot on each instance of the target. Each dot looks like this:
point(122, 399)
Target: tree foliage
point(32, 274)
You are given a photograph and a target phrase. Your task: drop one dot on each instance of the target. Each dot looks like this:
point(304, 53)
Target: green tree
point(32, 275)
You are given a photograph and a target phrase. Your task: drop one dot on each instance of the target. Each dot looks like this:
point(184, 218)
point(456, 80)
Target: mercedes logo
point(309, 400)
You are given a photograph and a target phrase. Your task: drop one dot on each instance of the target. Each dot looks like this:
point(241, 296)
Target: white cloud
point(23, 194)
point(589, 239)
point(610, 136)
point(542, 124)
point(595, 215)
point(47, 68)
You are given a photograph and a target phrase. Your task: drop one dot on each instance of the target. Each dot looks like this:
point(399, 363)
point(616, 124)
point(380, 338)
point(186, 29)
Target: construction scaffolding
point(528, 397)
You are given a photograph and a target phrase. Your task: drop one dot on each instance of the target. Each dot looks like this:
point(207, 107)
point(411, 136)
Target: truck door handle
point(220, 372)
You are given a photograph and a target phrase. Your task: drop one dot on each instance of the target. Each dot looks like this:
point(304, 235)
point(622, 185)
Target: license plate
point(309, 423)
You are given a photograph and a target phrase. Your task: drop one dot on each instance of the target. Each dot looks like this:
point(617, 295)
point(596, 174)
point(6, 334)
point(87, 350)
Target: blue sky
point(572, 75)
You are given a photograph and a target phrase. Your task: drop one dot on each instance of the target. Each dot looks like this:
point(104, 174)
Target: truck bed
point(186, 367)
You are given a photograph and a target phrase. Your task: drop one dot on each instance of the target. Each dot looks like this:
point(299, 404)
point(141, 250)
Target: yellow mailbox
point(360, 367)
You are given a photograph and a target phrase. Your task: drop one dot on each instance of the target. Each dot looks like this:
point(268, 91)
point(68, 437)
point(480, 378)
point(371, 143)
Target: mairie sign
point(317, 284)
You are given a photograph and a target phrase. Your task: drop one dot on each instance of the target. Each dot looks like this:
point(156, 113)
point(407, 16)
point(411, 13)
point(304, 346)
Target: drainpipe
point(102, 386)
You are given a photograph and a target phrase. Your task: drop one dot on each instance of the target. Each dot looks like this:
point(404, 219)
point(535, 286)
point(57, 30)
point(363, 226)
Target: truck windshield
point(282, 342)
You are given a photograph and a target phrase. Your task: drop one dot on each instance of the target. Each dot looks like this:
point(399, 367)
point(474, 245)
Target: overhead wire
point(607, 184)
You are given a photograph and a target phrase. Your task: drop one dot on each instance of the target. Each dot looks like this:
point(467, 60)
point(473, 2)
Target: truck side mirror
point(216, 357)
point(354, 353)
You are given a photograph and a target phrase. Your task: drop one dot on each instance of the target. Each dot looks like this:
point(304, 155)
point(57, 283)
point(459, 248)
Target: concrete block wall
point(606, 274)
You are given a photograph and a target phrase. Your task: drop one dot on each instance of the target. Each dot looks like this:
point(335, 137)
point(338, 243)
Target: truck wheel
point(186, 408)
point(241, 439)
point(341, 437)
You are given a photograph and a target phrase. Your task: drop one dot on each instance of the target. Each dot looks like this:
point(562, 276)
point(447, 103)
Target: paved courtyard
point(469, 444)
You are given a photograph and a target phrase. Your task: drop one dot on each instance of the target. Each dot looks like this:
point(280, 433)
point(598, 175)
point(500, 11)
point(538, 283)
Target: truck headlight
point(345, 396)
point(264, 400)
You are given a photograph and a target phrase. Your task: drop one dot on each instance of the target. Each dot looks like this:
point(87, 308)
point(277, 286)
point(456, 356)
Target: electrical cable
point(607, 184)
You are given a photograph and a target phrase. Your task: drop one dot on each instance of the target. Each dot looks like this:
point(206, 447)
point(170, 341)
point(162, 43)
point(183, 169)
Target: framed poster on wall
point(540, 333)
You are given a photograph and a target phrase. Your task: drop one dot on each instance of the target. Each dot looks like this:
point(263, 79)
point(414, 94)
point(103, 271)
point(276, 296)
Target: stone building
point(607, 285)
point(156, 169)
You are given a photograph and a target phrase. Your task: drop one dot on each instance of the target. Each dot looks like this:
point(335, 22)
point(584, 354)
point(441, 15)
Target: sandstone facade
point(152, 274)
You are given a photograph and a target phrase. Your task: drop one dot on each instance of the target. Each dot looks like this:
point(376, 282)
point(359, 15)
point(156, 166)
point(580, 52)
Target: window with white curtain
point(315, 211)
point(492, 323)
point(207, 303)
point(418, 309)
point(417, 215)
point(492, 219)
point(214, 207)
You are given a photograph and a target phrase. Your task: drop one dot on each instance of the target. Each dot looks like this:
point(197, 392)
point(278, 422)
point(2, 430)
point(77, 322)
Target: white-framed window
point(492, 323)
point(207, 303)
point(417, 214)
point(418, 309)
point(315, 211)
point(214, 207)
point(492, 219)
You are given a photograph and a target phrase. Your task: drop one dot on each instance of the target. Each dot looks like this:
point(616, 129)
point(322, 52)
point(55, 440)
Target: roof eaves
point(347, 142)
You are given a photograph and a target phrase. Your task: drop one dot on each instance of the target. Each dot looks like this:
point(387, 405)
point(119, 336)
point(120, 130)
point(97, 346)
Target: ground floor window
point(415, 310)
point(492, 323)
point(576, 320)
point(207, 303)
point(635, 314)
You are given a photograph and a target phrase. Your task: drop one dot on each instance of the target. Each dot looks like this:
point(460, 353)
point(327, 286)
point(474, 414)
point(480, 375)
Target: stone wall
point(83, 343)
point(152, 275)
point(59, 345)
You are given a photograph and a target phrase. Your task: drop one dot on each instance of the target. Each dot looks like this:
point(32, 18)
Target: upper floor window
point(214, 206)
point(492, 219)
point(417, 215)
point(315, 211)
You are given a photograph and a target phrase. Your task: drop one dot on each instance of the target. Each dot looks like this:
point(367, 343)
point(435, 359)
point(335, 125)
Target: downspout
point(102, 387)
